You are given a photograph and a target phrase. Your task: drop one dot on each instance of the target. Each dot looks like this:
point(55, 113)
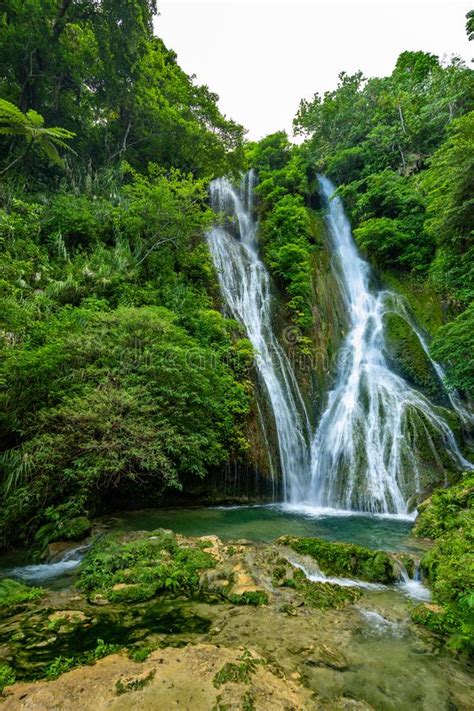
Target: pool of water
point(266, 523)
point(255, 523)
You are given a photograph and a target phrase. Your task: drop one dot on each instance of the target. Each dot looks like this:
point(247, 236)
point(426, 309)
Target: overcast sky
point(263, 56)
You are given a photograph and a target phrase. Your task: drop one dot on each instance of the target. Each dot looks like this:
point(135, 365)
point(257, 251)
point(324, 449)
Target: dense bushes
point(108, 396)
point(286, 228)
point(117, 371)
point(448, 518)
point(454, 345)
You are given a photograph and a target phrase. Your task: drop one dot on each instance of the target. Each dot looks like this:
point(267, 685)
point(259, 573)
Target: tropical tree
point(30, 127)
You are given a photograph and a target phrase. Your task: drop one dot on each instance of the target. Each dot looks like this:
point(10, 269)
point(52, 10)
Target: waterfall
point(364, 455)
point(246, 289)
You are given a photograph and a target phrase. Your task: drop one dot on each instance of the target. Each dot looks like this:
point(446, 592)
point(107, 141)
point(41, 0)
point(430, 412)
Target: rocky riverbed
point(160, 621)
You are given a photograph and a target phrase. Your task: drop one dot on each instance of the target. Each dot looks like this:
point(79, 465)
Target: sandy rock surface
point(171, 678)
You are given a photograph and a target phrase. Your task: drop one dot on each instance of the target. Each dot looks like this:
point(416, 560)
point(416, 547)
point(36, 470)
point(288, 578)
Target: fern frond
point(34, 118)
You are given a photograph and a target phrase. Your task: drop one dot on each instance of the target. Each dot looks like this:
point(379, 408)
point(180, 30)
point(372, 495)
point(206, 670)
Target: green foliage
point(250, 597)
point(139, 570)
point(401, 151)
point(237, 673)
point(118, 396)
point(454, 345)
point(98, 70)
point(445, 510)
point(133, 380)
point(65, 523)
point(345, 558)
point(450, 211)
point(140, 654)
point(59, 666)
point(62, 664)
point(30, 127)
point(286, 227)
point(7, 676)
point(101, 385)
point(448, 517)
point(14, 593)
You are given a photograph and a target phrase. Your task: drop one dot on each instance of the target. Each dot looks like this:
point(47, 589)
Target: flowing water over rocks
point(246, 288)
point(379, 439)
point(307, 647)
point(365, 451)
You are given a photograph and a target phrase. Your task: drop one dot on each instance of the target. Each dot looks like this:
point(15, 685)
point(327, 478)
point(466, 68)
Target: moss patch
point(240, 673)
point(408, 357)
point(345, 559)
point(139, 569)
point(14, 594)
point(323, 596)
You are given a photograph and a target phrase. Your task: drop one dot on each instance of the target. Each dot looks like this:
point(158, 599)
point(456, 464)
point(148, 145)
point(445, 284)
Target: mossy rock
point(345, 559)
point(424, 301)
point(408, 358)
point(445, 509)
point(14, 594)
point(323, 596)
point(138, 569)
point(77, 529)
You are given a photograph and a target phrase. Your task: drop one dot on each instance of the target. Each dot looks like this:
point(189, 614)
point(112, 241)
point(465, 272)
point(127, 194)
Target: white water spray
point(364, 453)
point(245, 286)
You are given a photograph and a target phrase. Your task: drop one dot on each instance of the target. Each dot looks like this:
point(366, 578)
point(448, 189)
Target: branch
point(153, 246)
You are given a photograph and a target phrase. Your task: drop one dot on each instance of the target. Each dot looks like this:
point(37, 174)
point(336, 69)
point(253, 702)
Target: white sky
point(263, 56)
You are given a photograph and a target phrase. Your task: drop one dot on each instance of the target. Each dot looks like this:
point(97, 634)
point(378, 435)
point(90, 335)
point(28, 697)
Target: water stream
point(364, 452)
point(246, 288)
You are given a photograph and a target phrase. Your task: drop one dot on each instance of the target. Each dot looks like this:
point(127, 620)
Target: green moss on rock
point(323, 596)
point(345, 559)
point(408, 357)
point(140, 568)
point(14, 594)
point(446, 509)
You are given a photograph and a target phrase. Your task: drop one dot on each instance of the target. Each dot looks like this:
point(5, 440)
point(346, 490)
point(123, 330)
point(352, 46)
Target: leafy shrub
point(453, 345)
point(250, 597)
point(7, 676)
point(448, 517)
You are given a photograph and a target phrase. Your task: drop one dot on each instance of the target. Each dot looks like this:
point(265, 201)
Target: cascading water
point(364, 453)
point(245, 285)
point(397, 304)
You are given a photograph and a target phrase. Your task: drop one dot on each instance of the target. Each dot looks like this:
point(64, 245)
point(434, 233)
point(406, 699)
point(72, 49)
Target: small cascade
point(246, 289)
point(413, 586)
point(365, 451)
point(41, 572)
point(313, 573)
